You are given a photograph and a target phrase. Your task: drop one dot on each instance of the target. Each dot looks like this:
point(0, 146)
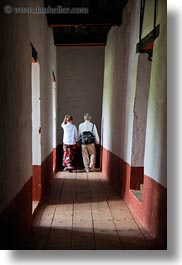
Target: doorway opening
point(36, 131)
point(139, 124)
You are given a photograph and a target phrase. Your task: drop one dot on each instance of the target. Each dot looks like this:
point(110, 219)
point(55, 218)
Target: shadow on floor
point(79, 190)
point(42, 238)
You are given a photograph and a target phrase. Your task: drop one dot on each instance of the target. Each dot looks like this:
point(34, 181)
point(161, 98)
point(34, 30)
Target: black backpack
point(87, 137)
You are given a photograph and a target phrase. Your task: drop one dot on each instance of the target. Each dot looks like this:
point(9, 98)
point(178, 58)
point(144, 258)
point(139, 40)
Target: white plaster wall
point(119, 83)
point(15, 106)
point(148, 21)
point(120, 80)
point(16, 34)
point(156, 140)
point(54, 102)
point(79, 84)
point(36, 136)
point(41, 36)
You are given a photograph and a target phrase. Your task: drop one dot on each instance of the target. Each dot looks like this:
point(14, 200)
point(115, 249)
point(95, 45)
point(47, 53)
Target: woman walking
point(70, 139)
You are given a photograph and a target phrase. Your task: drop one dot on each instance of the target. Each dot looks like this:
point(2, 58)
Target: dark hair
point(69, 118)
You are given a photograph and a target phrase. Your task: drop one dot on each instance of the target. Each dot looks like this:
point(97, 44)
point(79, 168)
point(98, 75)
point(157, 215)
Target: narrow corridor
point(105, 58)
point(83, 212)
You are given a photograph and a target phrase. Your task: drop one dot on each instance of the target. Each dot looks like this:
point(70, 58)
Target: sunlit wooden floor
point(83, 212)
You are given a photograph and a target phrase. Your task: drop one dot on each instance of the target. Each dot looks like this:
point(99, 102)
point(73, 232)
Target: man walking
point(88, 138)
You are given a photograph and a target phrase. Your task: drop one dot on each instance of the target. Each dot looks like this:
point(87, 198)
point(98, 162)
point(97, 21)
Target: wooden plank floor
point(82, 212)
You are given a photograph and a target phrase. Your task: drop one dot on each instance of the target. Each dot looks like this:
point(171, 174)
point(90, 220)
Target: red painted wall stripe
point(42, 178)
point(152, 211)
point(15, 220)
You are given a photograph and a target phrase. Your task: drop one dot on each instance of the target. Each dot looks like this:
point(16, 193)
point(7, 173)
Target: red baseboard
point(15, 220)
point(36, 183)
point(47, 174)
point(42, 175)
point(155, 208)
point(151, 212)
point(112, 168)
point(54, 159)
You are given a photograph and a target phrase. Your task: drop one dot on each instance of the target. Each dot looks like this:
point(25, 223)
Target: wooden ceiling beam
point(82, 44)
point(87, 20)
point(81, 25)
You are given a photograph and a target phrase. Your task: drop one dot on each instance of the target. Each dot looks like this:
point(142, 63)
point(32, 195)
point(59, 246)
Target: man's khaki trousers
point(89, 155)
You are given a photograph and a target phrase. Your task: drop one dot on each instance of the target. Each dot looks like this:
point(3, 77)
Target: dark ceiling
point(83, 22)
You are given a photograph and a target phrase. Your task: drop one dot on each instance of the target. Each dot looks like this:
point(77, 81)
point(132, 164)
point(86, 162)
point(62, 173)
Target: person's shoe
point(87, 170)
point(65, 169)
point(70, 170)
point(92, 169)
